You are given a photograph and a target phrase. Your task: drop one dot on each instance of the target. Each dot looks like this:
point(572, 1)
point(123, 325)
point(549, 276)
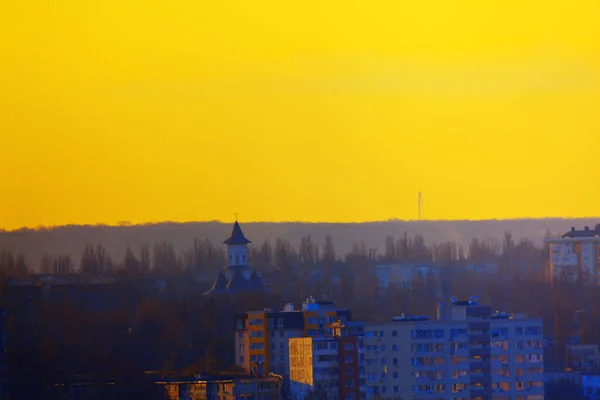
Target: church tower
point(238, 276)
point(237, 247)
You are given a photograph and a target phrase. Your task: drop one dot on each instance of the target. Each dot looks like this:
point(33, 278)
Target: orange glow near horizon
point(314, 111)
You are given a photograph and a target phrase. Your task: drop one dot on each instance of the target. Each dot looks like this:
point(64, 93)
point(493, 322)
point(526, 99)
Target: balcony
point(480, 352)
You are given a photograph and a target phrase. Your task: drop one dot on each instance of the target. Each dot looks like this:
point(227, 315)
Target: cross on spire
point(236, 215)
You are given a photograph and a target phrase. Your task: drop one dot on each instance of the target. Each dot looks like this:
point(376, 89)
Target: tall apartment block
point(575, 256)
point(261, 337)
point(467, 353)
point(327, 367)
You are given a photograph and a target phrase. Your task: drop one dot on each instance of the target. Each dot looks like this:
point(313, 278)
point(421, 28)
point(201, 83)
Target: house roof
point(236, 236)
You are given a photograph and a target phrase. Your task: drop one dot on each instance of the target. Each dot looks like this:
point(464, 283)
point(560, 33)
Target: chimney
point(587, 228)
point(572, 229)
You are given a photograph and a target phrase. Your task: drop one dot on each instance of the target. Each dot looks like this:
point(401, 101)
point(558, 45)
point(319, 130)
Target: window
point(320, 345)
point(271, 323)
point(237, 259)
point(280, 323)
point(533, 330)
point(230, 259)
point(381, 333)
point(394, 333)
point(459, 373)
point(241, 359)
point(421, 334)
point(396, 389)
point(518, 331)
point(244, 258)
point(312, 320)
point(438, 333)
point(312, 332)
point(241, 348)
point(349, 359)
point(394, 347)
point(240, 324)
point(350, 383)
point(281, 346)
point(253, 358)
point(395, 375)
point(280, 334)
point(383, 361)
point(241, 335)
point(519, 358)
point(321, 320)
point(395, 361)
point(349, 346)
point(349, 370)
point(382, 347)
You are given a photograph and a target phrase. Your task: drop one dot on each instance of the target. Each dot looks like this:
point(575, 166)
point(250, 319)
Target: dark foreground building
point(153, 386)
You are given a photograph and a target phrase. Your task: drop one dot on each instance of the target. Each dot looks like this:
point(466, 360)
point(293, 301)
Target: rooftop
point(585, 232)
point(236, 237)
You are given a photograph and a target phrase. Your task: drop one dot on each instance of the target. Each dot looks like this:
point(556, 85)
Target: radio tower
point(420, 204)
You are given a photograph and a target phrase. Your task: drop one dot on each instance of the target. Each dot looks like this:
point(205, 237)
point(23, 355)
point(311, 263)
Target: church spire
point(236, 237)
point(237, 250)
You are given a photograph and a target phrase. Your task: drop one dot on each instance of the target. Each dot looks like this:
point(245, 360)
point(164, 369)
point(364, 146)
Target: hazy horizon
point(218, 221)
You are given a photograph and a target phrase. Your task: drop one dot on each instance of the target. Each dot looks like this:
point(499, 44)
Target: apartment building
point(467, 353)
point(326, 368)
point(582, 357)
point(261, 337)
point(403, 274)
point(575, 256)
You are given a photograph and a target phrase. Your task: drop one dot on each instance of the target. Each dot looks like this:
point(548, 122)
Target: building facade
point(261, 337)
point(325, 368)
point(590, 383)
point(582, 357)
point(403, 274)
point(575, 256)
point(467, 353)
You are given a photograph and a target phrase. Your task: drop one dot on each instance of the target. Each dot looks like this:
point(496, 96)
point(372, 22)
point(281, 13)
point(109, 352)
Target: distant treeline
point(204, 257)
point(70, 241)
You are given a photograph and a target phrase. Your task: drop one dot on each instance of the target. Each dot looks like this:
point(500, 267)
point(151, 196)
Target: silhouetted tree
point(46, 264)
point(131, 264)
point(95, 261)
point(145, 262)
point(164, 259)
point(328, 250)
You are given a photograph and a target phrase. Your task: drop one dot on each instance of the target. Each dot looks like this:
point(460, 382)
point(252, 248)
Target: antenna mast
point(420, 205)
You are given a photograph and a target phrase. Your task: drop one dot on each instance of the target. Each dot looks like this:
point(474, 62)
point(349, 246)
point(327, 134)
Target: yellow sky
point(315, 110)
